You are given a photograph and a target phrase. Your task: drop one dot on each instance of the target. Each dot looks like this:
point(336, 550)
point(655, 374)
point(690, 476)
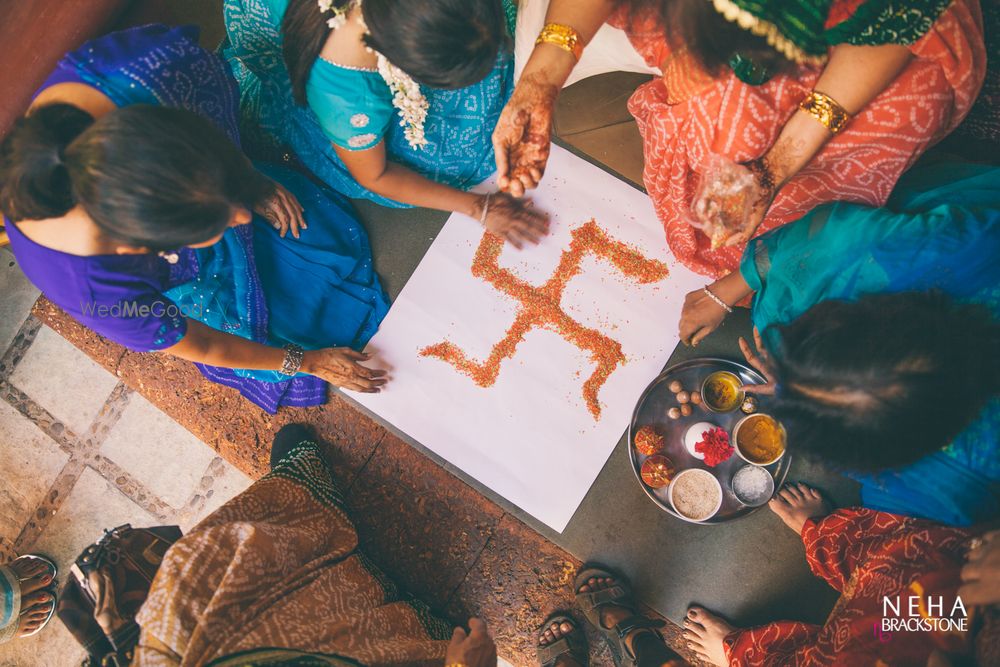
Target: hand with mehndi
point(341, 367)
point(732, 200)
point(514, 219)
point(283, 210)
point(522, 137)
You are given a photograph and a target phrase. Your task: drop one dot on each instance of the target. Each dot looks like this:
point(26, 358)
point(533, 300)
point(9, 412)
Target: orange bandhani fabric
point(274, 577)
point(867, 555)
point(684, 117)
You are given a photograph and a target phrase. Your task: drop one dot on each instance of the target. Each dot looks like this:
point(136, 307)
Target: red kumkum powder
point(540, 307)
point(715, 446)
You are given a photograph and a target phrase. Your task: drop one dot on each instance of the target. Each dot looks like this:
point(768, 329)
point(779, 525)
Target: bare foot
point(34, 574)
point(797, 502)
point(705, 633)
point(553, 633)
point(35, 608)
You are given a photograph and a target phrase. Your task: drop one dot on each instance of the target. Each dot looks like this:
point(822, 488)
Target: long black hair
point(883, 381)
point(148, 176)
point(697, 26)
point(440, 43)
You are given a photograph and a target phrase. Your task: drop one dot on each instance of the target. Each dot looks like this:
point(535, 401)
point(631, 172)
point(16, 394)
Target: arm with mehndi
point(853, 77)
point(509, 218)
point(522, 136)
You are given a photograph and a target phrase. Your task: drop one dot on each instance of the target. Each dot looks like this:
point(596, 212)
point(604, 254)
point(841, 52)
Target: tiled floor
point(80, 452)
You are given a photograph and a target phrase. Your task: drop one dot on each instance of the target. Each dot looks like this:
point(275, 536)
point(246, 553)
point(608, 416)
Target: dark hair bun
point(35, 180)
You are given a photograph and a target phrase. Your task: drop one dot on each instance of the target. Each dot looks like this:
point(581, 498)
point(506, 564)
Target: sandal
point(52, 612)
point(573, 643)
point(591, 602)
point(53, 568)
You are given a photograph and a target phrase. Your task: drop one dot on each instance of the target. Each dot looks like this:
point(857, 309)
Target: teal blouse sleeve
point(354, 106)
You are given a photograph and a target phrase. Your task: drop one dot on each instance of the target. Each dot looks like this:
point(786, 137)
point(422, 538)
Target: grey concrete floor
point(752, 570)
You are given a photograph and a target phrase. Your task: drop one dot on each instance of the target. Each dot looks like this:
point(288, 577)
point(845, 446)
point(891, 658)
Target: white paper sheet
point(530, 436)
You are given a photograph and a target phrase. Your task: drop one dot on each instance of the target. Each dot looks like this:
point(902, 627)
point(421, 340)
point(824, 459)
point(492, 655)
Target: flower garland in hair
point(408, 100)
point(406, 96)
point(339, 12)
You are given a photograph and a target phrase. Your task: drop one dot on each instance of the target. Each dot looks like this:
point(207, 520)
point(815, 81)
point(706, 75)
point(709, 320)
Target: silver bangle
point(486, 208)
point(293, 360)
point(725, 306)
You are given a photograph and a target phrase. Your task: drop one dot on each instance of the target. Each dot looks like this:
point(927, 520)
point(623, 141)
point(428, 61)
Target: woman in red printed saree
point(866, 555)
point(879, 85)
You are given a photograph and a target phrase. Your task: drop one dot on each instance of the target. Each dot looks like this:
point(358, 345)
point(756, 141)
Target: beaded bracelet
point(826, 110)
point(563, 36)
point(725, 306)
point(293, 360)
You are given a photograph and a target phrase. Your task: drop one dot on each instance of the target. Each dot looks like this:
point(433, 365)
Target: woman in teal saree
point(940, 231)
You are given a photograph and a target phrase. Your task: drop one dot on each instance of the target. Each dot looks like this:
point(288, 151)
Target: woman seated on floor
point(390, 100)
point(865, 554)
point(148, 225)
point(900, 389)
point(825, 102)
point(275, 577)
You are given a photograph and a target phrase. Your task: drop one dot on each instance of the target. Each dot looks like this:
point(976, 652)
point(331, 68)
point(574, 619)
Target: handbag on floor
point(129, 557)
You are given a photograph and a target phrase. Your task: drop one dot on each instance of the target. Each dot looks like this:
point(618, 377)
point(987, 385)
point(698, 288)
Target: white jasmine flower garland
point(406, 96)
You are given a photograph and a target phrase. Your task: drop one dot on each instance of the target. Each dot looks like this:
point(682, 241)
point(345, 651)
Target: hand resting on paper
point(341, 367)
point(514, 220)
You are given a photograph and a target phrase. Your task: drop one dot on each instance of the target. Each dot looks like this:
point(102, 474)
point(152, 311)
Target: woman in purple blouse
point(130, 205)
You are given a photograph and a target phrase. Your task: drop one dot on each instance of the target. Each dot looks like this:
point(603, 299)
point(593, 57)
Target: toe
point(566, 628)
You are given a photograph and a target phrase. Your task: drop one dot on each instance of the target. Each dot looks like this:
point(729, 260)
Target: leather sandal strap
point(594, 599)
point(548, 654)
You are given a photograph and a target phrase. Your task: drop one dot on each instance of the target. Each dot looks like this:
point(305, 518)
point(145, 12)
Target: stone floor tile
point(221, 483)
point(29, 463)
point(53, 646)
point(98, 348)
point(63, 380)
point(18, 296)
point(419, 523)
point(93, 505)
point(158, 452)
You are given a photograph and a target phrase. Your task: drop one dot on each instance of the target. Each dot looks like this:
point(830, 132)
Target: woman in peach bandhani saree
point(746, 113)
point(274, 577)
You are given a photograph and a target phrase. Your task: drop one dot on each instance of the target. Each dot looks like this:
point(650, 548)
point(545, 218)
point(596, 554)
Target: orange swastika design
point(541, 307)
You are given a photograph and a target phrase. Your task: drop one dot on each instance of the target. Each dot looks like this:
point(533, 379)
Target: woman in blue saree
point(928, 446)
point(389, 100)
point(130, 205)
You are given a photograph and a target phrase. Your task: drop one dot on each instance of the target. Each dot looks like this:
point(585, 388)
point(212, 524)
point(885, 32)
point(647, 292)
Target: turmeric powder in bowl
point(760, 439)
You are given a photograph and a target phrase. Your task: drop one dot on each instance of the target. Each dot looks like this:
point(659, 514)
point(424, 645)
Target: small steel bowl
point(748, 470)
point(736, 439)
point(716, 376)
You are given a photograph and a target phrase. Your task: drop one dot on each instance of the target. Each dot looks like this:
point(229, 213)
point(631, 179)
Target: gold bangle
point(563, 36)
point(455, 664)
point(826, 110)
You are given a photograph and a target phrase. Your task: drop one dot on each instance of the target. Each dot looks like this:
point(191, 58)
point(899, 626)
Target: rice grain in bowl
point(695, 494)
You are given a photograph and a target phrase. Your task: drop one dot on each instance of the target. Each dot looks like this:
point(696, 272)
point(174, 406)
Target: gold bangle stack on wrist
point(826, 110)
point(563, 36)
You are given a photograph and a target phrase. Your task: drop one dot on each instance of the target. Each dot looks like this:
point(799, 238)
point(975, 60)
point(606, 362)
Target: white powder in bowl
point(753, 485)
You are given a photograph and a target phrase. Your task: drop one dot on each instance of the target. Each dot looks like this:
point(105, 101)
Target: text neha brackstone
point(923, 614)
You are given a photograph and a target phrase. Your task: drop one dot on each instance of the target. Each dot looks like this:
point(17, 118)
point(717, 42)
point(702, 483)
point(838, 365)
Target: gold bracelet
point(826, 110)
point(455, 664)
point(563, 36)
